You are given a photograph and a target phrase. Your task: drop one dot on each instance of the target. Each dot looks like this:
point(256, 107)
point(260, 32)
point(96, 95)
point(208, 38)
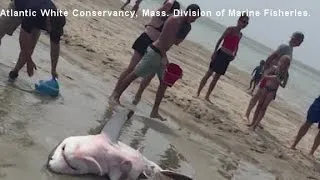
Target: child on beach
point(257, 76)
point(136, 6)
point(274, 77)
point(313, 116)
point(221, 58)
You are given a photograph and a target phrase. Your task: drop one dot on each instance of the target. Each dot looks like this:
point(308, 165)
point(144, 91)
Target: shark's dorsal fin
point(114, 124)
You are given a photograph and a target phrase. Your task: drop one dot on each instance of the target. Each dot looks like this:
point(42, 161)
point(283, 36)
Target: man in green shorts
point(155, 59)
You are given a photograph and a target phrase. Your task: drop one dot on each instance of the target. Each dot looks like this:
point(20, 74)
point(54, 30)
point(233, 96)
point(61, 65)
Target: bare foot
point(114, 101)
point(293, 148)
point(208, 99)
point(157, 116)
point(247, 116)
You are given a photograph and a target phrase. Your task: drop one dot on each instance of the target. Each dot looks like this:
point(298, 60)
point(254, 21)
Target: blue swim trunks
point(314, 112)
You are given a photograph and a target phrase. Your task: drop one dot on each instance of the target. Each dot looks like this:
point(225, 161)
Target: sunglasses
point(244, 21)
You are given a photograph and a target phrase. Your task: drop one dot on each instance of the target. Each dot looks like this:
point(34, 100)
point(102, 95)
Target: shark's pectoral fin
point(91, 159)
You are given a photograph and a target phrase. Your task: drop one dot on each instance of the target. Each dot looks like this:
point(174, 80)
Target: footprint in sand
point(228, 167)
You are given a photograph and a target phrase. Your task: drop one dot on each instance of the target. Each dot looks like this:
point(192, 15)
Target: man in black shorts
point(30, 32)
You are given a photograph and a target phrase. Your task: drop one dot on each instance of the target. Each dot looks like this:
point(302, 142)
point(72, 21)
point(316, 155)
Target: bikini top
point(280, 75)
point(231, 42)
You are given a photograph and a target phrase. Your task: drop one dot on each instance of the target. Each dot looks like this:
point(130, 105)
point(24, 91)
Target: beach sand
point(213, 137)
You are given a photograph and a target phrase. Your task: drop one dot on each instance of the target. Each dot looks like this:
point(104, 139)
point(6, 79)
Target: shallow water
point(247, 171)
point(156, 147)
point(31, 125)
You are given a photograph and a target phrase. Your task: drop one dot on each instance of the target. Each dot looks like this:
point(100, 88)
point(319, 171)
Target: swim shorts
point(257, 77)
point(142, 43)
point(8, 24)
point(150, 63)
point(313, 115)
point(220, 62)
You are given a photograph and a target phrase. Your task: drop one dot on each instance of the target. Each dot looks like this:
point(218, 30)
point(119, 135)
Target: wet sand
point(199, 138)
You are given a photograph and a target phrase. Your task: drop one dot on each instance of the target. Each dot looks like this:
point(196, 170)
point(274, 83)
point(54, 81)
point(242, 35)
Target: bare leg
point(160, 93)
point(212, 85)
point(136, 57)
point(122, 87)
point(21, 60)
point(315, 144)
point(261, 99)
point(143, 85)
point(302, 131)
point(136, 6)
point(263, 109)
point(204, 81)
point(252, 103)
point(254, 86)
point(125, 4)
point(250, 84)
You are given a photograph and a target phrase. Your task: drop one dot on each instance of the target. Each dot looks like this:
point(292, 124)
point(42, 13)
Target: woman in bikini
point(221, 58)
point(274, 77)
point(151, 33)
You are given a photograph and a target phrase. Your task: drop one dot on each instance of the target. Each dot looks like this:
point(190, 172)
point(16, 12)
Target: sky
point(273, 31)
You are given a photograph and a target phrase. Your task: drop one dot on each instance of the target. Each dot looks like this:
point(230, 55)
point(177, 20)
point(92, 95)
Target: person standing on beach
point(313, 116)
point(135, 7)
point(30, 32)
point(155, 59)
point(151, 33)
point(257, 76)
point(221, 58)
point(274, 77)
point(284, 49)
point(8, 24)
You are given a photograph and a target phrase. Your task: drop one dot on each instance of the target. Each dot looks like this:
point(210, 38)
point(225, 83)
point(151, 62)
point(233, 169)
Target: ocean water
point(303, 85)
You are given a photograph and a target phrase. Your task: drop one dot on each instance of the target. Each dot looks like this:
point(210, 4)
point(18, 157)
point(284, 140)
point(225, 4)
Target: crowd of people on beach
point(150, 57)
